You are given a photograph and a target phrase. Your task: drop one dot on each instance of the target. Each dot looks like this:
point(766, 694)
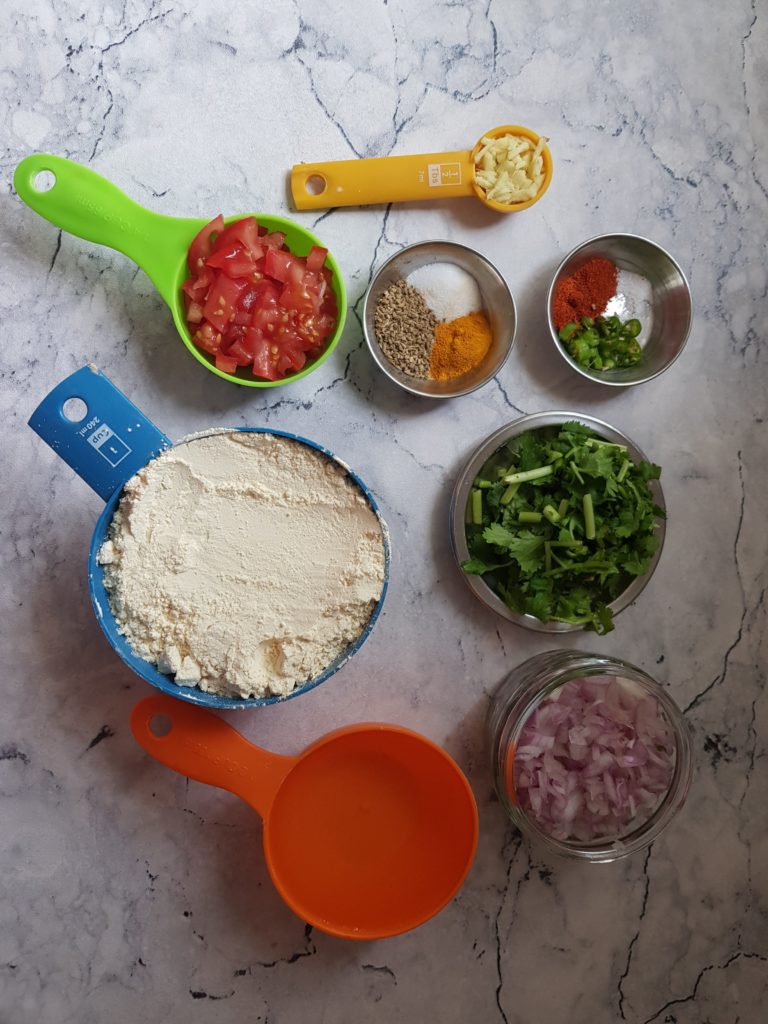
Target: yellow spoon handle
point(389, 179)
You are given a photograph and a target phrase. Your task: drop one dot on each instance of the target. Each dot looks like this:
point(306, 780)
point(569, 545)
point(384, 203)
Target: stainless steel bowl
point(499, 308)
point(665, 327)
point(467, 477)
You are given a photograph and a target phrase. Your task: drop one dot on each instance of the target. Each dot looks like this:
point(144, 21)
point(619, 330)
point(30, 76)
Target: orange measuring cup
point(368, 833)
point(398, 179)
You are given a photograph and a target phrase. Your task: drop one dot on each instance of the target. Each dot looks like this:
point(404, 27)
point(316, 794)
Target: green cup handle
point(87, 205)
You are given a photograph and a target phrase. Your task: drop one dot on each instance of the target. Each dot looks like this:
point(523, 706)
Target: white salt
point(633, 301)
point(449, 290)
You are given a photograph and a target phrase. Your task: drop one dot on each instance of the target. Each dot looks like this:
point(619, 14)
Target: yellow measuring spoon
point(400, 179)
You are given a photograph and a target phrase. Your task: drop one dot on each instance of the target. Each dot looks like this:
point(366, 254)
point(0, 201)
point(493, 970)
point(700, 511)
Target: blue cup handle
point(105, 445)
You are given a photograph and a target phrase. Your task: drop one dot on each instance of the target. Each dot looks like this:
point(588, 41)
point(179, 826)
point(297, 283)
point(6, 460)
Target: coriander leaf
point(511, 596)
point(510, 514)
point(611, 487)
point(598, 463)
point(475, 566)
point(528, 551)
point(648, 471)
point(635, 564)
point(575, 433)
point(525, 547)
point(602, 620)
point(648, 544)
point(493, 497)
point(498, 535)
point(626, 523)
point(538, 601)
point(527, 451)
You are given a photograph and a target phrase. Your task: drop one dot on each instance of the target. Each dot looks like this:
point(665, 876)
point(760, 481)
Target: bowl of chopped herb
point(619, 309)
point(557, 522)
point(439, 319)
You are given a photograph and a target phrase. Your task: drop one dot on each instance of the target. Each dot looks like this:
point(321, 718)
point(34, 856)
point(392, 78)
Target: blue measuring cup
point(108, 440)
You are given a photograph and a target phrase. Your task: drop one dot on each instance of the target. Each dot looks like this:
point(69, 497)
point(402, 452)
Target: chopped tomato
point(281, 265)
point(252, 302)
point(225, 363)
point(265, 361)
point(207, 338)
point(297, 298)
point(316, 258)
point(313, 329)
point(234, 260)
point(233, 334)
point(201, 243)
point(252, 340)
point(194, 312)
point(197, 287)
point(242, 352)
point(266, 318)
point(325, 325)
point(243, 232)
point(262, 294)
point(220, 304)
point(292, 350)
point(275, 238)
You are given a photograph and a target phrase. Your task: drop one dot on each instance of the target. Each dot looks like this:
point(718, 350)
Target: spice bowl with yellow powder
point(439, 319)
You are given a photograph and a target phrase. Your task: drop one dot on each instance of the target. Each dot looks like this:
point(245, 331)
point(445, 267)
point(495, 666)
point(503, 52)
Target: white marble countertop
point(129, 894)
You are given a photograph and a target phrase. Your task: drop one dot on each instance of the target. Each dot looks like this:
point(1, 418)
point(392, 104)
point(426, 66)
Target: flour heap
point(243, 563)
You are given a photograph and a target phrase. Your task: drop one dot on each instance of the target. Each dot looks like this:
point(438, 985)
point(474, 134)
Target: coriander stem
point(594, 443)
point(622, 471)
point(509, 494)
point(551, 514)
point(547, 556)
point(528, 474)
point(589, 517)
point(587, 566)
point(563, 507)
point(556, 557)
point(529, 517)
point(477, 508)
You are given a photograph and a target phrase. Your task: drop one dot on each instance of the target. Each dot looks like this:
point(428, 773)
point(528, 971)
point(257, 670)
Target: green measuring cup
point(85, 204)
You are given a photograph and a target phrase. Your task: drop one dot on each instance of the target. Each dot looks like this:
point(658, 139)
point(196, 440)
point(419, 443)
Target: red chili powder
point(585, 293)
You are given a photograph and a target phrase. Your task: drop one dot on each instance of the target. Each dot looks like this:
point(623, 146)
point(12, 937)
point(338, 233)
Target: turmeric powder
point(459, 346)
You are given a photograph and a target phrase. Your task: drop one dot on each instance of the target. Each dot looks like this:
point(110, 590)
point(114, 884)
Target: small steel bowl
point(460, 497)
point(666, 325)
point(499, 308)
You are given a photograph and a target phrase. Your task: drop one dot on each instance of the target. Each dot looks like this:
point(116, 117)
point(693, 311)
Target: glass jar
point(519, 695)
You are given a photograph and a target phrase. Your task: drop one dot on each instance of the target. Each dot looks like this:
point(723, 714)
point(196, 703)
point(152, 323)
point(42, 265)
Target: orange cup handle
point(204, 747)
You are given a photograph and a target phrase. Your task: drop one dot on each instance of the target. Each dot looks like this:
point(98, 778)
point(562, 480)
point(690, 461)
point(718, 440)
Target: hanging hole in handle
point(44, 181)
point(315, 184)
point(160, 725)
point(75, 410)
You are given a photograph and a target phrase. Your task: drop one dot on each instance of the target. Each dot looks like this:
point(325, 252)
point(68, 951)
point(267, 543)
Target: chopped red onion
point(594, 759)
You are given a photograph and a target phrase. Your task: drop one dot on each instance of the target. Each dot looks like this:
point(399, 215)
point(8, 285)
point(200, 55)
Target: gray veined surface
point(126, 890)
